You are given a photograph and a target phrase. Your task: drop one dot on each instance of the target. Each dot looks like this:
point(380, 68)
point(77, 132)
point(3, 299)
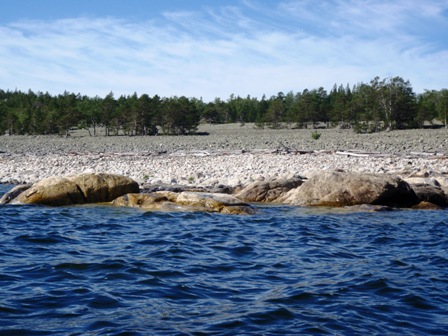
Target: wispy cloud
point(213, 52)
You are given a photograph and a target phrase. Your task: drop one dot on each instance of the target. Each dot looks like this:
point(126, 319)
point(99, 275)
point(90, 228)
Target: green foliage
point(381, 104)
point(179, 116)
point(315, 135)
point(275, 113)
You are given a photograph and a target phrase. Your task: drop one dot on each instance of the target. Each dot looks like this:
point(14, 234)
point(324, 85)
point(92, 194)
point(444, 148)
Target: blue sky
point(209, 49)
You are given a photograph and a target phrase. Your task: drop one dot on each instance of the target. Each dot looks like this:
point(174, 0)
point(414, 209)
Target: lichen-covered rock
point(185, 201)
point(77, 189)
point(268, 191)
point(336, 189)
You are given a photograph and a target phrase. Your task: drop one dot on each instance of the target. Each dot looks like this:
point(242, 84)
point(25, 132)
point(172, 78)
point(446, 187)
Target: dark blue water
point(285, 271)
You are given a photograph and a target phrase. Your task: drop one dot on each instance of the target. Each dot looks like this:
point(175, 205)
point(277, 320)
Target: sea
point(102, 270)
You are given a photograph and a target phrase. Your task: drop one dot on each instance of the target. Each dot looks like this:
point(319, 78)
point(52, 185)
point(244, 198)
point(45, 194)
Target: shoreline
point(209, 170)
point(230, 155)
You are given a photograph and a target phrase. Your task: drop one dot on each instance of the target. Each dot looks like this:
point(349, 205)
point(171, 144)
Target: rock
point(442, 180)
point(336, 189)
point(422, 181)
point(215, 202)
point(369, 208)
point(148, 201)
point(77, 189)
point(54, 190)
point(185, 201)
point(149, 188)
point(268, 191)
point(234, 182)
point(424, 205)
point(431, 193)
point(14, 192)
point(428, 189)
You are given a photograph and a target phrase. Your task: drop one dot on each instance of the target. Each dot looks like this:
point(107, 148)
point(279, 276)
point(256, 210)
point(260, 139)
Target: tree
point(211, 113)
point(237, 109)
point(67, 111)
point(108, 110)
point(442, 106)
point(339, 105)
point(262, 108)
point(179, 116)
point(3, 110)
point(426, 107)
point(276, 111)
point(322, 105)
point(365, 116)
point(395, 99)
point(288, 102)
point(380, 104)
point(311, 107)
point(274, 114)
point(146, 121)
point(90, 110)
point(124, 116)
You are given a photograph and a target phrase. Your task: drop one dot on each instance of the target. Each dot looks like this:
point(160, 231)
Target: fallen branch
point(352, 154)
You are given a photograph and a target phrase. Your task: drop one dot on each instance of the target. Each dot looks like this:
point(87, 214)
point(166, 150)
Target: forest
point(382, 104)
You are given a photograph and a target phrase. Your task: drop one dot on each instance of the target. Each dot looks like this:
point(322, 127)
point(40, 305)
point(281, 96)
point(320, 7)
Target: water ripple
point(286, 271)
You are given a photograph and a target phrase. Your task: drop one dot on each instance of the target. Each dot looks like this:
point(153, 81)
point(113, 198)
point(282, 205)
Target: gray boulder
point(430, 194)
point(268, 191)
point(14, 192)
point(77, 189)
point(337, 189)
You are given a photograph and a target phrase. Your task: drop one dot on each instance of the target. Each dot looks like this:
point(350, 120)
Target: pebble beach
point(230, 154)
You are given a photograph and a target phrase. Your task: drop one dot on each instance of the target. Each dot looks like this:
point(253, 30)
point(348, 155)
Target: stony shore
point(229, 155)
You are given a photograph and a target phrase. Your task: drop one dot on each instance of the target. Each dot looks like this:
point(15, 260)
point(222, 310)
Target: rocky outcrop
point(268, 191)
point(336, 189)
point(77, 189)
point(185, 201)
point(429, 191)
point(325, 188)
point(14, 192)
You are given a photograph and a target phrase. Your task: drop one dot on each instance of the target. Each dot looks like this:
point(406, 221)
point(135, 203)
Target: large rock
point(432, 178)
point(430, 193)
point(268, 191)
point(185, 201)
point(160, 200)
point(14, 192)
point(77, 189)
point(424, 205)
point(346, 189)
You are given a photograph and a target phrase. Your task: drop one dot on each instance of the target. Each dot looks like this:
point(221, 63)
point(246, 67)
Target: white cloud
point(216, 52)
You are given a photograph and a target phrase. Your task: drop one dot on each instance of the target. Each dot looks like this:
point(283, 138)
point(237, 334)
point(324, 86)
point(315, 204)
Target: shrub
point(315, 135)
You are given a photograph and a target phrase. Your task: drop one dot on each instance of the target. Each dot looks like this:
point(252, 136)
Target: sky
point(213, 49)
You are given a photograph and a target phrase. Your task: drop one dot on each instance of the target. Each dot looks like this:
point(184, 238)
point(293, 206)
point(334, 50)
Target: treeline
point(389, 103)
